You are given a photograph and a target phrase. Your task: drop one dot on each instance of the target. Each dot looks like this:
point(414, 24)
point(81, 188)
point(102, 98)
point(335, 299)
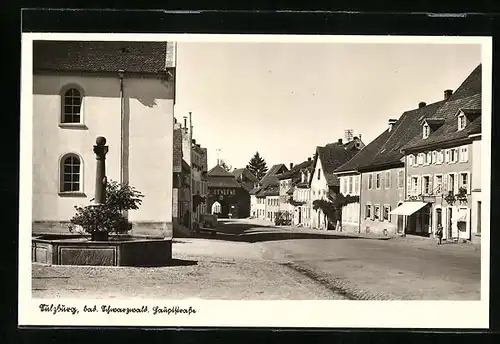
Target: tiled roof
point(295, 170)
point(222, 182)
point(245, 178)
point(218, 177)
point(244, 172)
point(467, 98)
point(365, 155)
point(407, 127)
point(92, 56)
point(254, 191)
point(219, 171)
point(270, 190)
point(332, 156)
point(270, 178)
point(385, 149)
point(272, 172)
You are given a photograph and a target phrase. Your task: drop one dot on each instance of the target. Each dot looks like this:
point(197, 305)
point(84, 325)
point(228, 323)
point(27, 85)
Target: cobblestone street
point(248, 260)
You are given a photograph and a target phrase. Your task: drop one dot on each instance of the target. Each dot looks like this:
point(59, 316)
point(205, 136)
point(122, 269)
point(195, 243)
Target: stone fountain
point(99, 249)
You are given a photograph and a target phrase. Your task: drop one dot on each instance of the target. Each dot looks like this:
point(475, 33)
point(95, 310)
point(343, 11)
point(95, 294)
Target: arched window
point(71, 173)
point(71, 105)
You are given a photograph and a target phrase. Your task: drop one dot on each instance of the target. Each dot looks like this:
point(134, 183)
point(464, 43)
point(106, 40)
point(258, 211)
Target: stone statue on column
point(100, 150)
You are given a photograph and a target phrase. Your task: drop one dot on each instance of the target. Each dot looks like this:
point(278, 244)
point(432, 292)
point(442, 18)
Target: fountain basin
point(122, 250)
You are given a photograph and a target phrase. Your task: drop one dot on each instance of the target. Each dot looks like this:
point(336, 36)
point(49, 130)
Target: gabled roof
point(244, 172)
point(332, 156)
point(296, 170)
point(270, 190)
point(365, 155)
point(219, 171)
point(270, 178)
point(93, 56)
point(384, 151)
point(434, 121)
point(466, 98)
point(218, 177)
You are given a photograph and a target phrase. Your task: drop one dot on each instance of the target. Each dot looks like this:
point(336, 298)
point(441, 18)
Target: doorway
point(401, 220)
point(300, 215)
point(449, 232)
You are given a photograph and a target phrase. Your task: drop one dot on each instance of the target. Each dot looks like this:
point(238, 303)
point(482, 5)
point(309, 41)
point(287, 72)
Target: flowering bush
point(108, 217)
point(332, 206)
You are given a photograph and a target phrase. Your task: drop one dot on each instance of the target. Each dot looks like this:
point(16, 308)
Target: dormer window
point(461, 121)
point(426, 131)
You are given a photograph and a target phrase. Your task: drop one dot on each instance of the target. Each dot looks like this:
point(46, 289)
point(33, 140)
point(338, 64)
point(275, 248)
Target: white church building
point(123, 91)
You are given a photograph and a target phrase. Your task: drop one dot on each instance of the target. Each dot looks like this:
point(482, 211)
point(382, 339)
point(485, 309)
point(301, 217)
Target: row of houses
point(190, 176)
point(291, 192)
point(422, 172)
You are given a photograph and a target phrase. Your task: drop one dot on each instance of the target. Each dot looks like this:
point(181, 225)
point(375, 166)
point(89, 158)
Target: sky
point(285, 99)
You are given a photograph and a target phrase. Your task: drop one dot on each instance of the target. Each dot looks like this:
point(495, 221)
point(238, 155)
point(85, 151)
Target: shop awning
point(408, 208)
point(461, 216)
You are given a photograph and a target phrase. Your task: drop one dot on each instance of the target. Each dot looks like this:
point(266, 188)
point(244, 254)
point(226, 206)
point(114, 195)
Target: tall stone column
point(100, 150)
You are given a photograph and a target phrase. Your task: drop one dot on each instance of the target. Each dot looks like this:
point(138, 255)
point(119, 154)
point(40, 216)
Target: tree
point(257, 166)
point(332, 206)
point(108, 217)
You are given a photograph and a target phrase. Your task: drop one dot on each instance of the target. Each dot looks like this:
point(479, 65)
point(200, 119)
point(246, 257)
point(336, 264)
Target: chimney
point(185, 121)
point(391, 123)
point(447, 94)
point(309, 159)
point(421, 104)
point(340, 141)
point(291, 165)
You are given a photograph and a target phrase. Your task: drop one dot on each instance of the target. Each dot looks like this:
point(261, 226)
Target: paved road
point(371, 268)
point(253, 260)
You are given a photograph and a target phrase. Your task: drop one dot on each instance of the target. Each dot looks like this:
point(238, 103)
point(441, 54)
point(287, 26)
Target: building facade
point(324, 181)
point(181, 192)
point(247, 181)
point(226, 197)
point(82, 90)
point(294, 191)
point(349, 182)
point(199, 180)
point(441, 163)
point(268, 186)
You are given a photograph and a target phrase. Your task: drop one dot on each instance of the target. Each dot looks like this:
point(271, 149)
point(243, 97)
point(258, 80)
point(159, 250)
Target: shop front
point(417, 216)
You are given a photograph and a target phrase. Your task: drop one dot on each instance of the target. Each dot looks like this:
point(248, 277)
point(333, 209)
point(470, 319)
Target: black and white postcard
point(255, 180)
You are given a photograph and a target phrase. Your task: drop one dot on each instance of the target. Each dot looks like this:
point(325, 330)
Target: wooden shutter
point(447, 156)
point(455, 187)
point(419, 186)
point(466, 153)
point(445, 183)
point(468, 183)
point(409, 186)
point(431, 186)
